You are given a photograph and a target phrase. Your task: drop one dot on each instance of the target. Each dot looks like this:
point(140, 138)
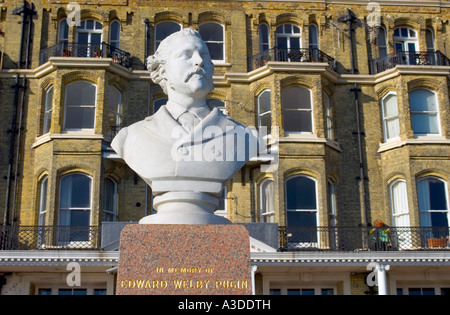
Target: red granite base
point(184, 259)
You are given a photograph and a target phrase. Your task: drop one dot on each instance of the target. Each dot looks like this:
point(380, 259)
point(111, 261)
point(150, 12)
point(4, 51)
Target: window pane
point(390, 105)
point(438, 200)
point(215, 50)
point(90, 24)
point(422, 100)
point(294, 43)
point(392, 128)
point(293, 291)
point(297, 121)
point(45, 292)
point(296, 97)
point(301, 193)
point(75, 191)
point(115, 31)
point(211, 32)
point(165, 29)
point(424, 123)
point(302, 218)
point(264, 102)
point(307, 291)
point(81, 93)
point(275, 291)
point(80, 217)
point(80, 118)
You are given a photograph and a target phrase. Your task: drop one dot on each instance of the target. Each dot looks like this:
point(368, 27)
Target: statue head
point(182, 62)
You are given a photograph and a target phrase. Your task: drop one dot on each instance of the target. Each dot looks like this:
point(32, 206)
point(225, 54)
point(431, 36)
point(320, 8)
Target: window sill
point(397, 143)
point(66, 135)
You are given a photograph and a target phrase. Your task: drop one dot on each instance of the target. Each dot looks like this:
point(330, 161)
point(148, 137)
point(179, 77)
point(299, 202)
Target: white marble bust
point(186, 151)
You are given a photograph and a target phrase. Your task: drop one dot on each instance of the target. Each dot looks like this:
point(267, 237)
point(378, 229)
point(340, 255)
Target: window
point(406, 44)
point(63, 32)
point(297, 109)
point(114, 34)
point(89, 38)
point(301, 211)
point(328, 117)
point(113, 110)
point(296, 290)
point(264, 112)
point(74, 207)
point(43, 187)
point(164, 29)
point(48, 108)
point(313, 37)
point(110, 201)
point(429, 39)
point(382, 43)
point(263, 37)
point(400, 213)
point(288, 42)
point(267, 202)
point(391, 125)
point(80, 104)
point(213, 35)
point(424, 112)
point(332, 203)
point(433, 204)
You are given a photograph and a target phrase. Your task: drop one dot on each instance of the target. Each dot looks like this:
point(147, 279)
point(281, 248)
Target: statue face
point(189, 68)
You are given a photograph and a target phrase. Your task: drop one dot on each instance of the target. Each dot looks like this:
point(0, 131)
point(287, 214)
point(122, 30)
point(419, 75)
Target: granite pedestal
point(173, 259)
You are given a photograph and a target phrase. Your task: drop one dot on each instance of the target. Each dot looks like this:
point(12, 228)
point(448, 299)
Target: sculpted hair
point(155, 62)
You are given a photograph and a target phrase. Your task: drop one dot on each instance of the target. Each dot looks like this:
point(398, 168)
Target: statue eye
point(184, 54)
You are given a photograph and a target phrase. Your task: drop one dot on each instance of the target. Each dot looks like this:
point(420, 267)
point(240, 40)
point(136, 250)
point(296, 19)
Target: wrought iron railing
point(294, 238)
point(102, 50)
point(49, 237)
point(291, 55)
point(427, 58)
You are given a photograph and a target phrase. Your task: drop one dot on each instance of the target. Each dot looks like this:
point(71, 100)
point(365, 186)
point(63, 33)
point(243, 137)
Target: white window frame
point(438, 120)
point(424, 213)
point(310, 110)
point(94, 106)
point(43, 204)
point(261, 114)
point(404, 237)
point(85, 30)
point(328, 117)
point(387, 119)
point(289, 35)
point(48, 110)
point(266, 215)
point(216, 42)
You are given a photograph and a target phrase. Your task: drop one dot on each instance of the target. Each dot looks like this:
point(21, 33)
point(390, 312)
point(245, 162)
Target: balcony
point(291, 238)
point(78, 50)
point(299, 238)
point(416, 58)
point(49, 237)
point(291, 55)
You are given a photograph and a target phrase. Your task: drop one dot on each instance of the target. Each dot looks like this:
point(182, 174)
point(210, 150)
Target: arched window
point(296, 102)
point(424, 112)
point(114, 34)
point(313, 36)
point(113, 111)
point(43, 190)
point(264, 43)
point(264, 111)
point(48, 109)
point(399, 203)
point(63, 31)
point(429, 39)
point(433, 203)
point(266, 200)
point(80, 101)
point(110, 200)
point(164, 29)
point(213, 35)
point(288, 42)
point(391, 126)
point(301, 202)
point(75, 206)
point(89, 38)
point(406, 44)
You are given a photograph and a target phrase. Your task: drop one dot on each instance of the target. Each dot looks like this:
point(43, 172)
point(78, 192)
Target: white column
point(254, 268)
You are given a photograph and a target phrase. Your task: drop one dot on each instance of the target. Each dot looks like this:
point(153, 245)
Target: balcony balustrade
point(418, 58)
point(79, 50)
point(308, 55)
point(291, 238)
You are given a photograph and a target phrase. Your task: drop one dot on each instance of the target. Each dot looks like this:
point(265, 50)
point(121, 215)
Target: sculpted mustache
point(199, 71)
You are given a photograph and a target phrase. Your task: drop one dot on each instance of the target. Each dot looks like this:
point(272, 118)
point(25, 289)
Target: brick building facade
point(357, 110)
